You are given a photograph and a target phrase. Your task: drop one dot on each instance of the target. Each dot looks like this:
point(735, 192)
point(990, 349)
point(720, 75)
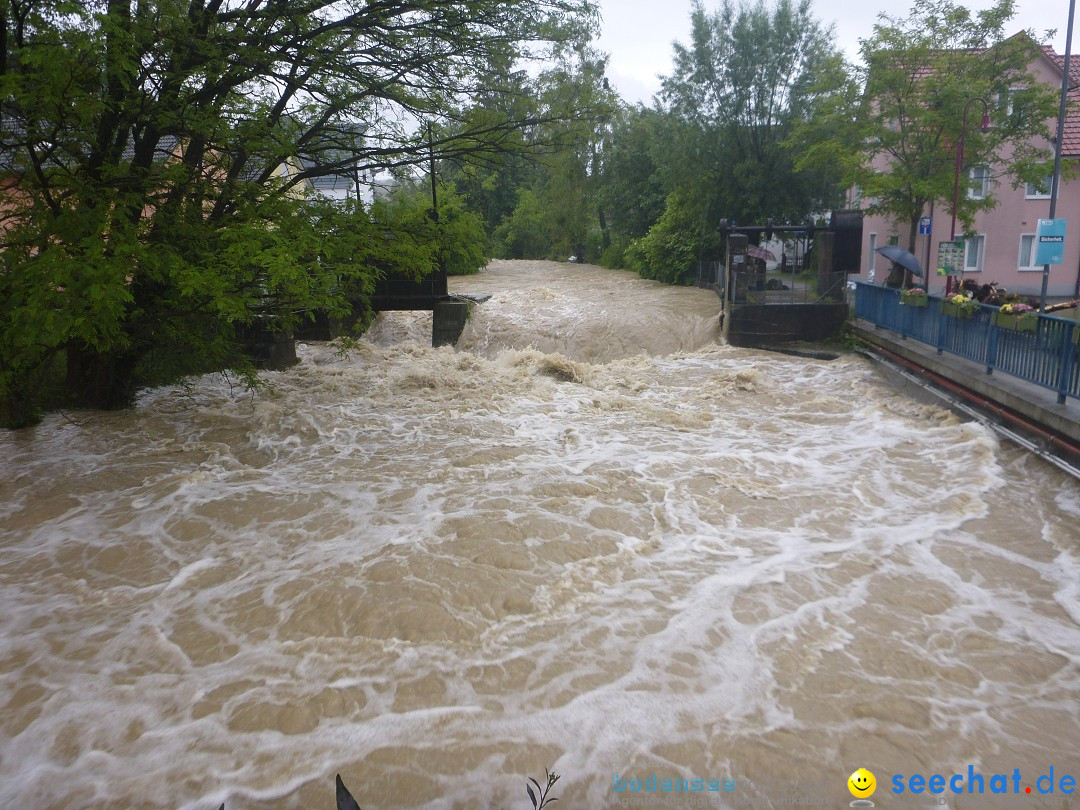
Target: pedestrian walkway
point(1027, 402)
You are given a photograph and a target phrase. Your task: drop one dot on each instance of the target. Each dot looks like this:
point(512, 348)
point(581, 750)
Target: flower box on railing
point(957, 310)
point(1016, 321)
point(910, 298)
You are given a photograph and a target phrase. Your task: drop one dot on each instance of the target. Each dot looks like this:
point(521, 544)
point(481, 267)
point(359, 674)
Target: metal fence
point(759, 287)
point(710, 275)
point(1048, 356)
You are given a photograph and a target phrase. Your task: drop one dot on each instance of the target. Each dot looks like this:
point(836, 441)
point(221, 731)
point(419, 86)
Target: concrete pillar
point(737, 268)
point(448, 319)
point(321, 327)
point(830, 284)
point(282, 352)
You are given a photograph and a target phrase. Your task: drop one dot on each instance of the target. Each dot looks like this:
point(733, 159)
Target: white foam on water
point(440, 571)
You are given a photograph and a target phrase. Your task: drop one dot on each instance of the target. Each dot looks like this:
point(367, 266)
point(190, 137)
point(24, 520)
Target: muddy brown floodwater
point(590, 538)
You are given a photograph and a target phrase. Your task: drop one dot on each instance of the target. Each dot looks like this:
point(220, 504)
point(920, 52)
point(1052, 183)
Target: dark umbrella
point(904, 258)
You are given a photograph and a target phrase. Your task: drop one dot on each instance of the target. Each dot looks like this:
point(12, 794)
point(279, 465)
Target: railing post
point(1066, 362)
point(991, 346)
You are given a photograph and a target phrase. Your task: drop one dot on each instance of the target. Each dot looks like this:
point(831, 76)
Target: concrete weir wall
point(750, 325)
point(448, 319)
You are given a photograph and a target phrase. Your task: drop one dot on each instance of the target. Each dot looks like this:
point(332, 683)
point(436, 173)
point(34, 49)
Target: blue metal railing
point(1048, 357)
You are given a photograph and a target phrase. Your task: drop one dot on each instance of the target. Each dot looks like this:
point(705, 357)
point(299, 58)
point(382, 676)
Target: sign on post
point(1050, 242)
point(924, 225)
point(950, 258)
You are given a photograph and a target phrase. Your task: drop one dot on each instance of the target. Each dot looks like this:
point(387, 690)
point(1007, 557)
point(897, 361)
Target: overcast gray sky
point(637, 34)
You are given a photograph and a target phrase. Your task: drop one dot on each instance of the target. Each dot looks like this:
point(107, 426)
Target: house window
point(973, 253)
point(1015, 103)
point(1026, 259)
point(870, 259)
point(1040, 190)
point(980, 182)
point(1007, 100)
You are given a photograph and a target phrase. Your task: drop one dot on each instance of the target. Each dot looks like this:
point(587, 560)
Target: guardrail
point(1048, 356)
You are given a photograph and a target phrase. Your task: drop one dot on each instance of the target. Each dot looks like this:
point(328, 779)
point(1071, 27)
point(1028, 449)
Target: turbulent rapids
point(589, 539)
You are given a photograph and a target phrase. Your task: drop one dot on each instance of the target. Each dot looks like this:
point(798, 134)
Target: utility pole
point(1056, 181)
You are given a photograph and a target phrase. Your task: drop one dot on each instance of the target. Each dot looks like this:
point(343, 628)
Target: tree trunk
point(913, 229)
point(101, 381)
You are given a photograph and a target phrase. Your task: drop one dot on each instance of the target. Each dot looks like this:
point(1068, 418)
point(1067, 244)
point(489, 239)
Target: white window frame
point(1031, 194)
point(1028, 268)
point(1007, 100)
point(873, 255)
point(983, 191)
point(980, 239)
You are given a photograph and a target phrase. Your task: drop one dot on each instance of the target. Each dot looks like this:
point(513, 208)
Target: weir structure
point(760, 311)
point(449, 313)
point(394, 291)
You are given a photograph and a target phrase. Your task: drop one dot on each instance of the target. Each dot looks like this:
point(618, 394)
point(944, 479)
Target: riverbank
point(1031, 403)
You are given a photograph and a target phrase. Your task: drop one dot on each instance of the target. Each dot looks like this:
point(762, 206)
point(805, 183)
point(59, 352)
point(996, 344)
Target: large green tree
point(898, 141)
point(721, 144)
point(553, 158)
point(749, 74)
point(633, 187)
point(146, 211)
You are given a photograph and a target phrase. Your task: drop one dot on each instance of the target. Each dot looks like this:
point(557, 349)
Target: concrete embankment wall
point(1030, 402)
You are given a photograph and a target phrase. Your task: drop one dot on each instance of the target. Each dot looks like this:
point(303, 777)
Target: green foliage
point(150, 226)
point(720, 146)
point(602, 179)
point(671, 247)
point(749, 74)
point(462, 239)
point(631, 191)
point(553, 160)
point(614, 255)
point(524, 235)
point(415, 244)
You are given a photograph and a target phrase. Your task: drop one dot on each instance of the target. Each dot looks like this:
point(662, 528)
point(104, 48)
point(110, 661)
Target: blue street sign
point(924, 225)
point(1050, 239)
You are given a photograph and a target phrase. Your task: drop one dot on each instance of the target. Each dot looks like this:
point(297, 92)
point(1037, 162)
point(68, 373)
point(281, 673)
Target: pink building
point(1003, 247)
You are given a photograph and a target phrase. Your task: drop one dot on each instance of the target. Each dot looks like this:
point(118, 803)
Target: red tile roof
point(1070, 146)
point(1070, 143)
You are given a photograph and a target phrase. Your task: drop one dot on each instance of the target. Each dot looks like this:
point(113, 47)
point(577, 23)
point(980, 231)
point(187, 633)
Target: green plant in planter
point(960, 305)
point(1016, 316)
point(914, 297)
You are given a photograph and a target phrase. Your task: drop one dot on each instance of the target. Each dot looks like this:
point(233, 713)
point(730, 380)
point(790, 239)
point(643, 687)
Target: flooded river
point(589, 539)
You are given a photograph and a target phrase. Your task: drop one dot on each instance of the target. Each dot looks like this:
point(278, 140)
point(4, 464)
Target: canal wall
point(1024, 401)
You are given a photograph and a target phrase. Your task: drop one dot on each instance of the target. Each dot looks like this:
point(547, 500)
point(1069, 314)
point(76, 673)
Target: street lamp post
point(959, 165)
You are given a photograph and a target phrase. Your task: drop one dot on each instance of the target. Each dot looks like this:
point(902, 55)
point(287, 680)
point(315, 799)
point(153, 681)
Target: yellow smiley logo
point(862, 784)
